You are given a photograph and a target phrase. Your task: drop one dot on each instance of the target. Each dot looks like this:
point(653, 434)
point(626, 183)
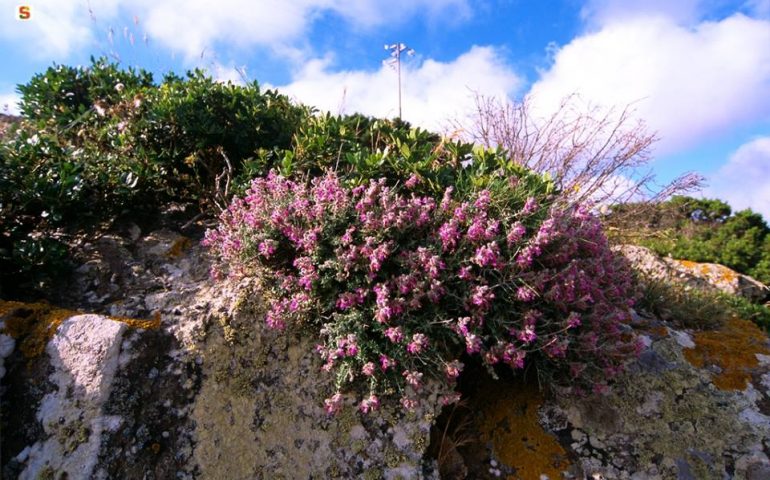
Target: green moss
point(373, 474)
point(46, 473)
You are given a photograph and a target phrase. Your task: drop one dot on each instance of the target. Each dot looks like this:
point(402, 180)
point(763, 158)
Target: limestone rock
point(698, 275)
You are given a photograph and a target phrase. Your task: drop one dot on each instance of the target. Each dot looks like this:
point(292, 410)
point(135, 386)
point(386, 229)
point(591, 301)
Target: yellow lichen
point(719, 273)
point(509, 420)
point(147, 324)
point(34, 324)
point(733, 349)
point(178, 247)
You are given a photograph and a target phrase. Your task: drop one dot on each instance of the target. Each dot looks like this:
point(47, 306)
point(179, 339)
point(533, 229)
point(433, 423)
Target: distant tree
point(701, 230)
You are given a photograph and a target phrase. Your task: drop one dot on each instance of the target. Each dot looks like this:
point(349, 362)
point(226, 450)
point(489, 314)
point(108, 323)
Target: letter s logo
point(25, 12)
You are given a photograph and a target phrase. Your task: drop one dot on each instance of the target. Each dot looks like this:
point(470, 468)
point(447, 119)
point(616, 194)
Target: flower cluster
point(400, 288)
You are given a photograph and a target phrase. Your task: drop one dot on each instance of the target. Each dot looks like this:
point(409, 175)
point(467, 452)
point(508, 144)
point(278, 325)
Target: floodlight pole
point(398, 68)
point(395, 51)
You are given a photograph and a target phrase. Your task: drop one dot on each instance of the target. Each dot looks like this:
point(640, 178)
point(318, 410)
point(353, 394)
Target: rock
point(84, 357)
point(708, 276)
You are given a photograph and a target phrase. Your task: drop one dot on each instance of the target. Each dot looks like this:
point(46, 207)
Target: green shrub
point(98, 141)
point(695, 308)
point(683, 307)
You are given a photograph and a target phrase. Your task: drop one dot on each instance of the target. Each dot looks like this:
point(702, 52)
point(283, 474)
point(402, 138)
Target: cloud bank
point(687, 83)
point(431, 92)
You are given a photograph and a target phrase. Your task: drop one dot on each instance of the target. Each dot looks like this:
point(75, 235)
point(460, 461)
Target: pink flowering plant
point(401, 287)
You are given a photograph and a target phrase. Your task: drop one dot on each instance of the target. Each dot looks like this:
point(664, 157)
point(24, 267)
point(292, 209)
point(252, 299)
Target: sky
point(697, 73)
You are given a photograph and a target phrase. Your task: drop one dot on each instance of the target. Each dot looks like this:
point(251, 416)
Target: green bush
point(95, 142)
point(683, 307)
point(694, 308)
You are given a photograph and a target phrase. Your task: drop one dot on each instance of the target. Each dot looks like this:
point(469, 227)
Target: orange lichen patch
point(733, 349)
point(179, 246)
point(147, 324)
point(718, 273)
point(658, 332)
point(34, 324)
point(509, 420)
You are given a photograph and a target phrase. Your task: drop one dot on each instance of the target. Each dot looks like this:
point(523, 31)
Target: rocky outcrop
point(199, 390)
point(177, 377)
point(709, 276)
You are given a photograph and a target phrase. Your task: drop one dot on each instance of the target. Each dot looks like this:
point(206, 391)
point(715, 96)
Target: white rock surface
point(84, 354)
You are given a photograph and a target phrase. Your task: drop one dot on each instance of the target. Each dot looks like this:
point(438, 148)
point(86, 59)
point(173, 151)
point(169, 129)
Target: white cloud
point(56, 28)
point(190, 26)
point(744, 181)
point(432, 93)
point(9, 103)
point(687, 83)
point(59, 28)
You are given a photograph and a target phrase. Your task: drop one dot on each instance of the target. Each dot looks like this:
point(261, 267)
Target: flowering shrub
point(400, 286)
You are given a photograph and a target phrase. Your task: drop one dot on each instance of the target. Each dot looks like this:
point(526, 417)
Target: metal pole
point(398, 61)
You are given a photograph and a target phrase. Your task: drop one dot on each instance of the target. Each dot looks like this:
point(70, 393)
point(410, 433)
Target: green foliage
point(95, 142)
point(695, 308)
point(65, 94)
point(361, 148)
point(684, 307)
point(759, 314)
point(99, 141)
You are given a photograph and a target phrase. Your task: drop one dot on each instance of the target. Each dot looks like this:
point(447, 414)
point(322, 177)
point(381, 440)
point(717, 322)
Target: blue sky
point(696, 72)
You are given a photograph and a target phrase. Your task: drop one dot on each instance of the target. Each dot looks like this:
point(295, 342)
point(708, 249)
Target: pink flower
point(516, 233)
point(413, 378)
point(465, 272)
point(386, 362)
point(530, 206)
point(482, 202)
point(334, 404)
point(482, 296)
point(514, 357)
point(394, 334)
point(472, 343)
point(368, 369)
point(383, 314)
point(453, 369)
point(525, 294)
point(447, 199)
point(409, 404)
point(274, 317)
point(556, 349)
point(369, 404)
point(477, 230)
point(487, 255)
point(528, 335)
point(267, 248)
point(573, 320)
point(418, 343)
point(462, 326)
point(449, 233)
point(347, 238)
point(412, 182)
point(451, 398)
point(490, 358)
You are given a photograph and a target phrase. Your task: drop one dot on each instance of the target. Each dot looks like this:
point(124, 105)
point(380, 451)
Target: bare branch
point(594, 155)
